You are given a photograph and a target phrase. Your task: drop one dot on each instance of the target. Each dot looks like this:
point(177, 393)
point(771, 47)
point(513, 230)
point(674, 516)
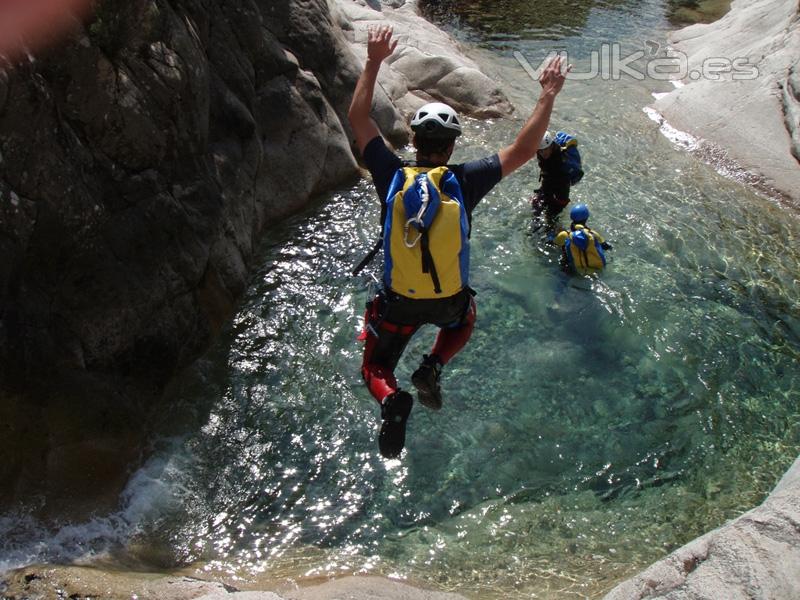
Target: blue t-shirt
point(476, 177)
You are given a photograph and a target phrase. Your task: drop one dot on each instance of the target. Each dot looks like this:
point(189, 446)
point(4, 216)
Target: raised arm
point(379, 47)
point(524, 147)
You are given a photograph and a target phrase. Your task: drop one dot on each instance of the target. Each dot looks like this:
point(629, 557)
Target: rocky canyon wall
point(141, 159)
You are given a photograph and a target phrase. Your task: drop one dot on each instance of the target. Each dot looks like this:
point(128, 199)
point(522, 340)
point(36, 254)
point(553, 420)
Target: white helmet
point(547, 139)
point(436, 120)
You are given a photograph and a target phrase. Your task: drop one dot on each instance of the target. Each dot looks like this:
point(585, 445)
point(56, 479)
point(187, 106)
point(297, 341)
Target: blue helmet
point(579, 213)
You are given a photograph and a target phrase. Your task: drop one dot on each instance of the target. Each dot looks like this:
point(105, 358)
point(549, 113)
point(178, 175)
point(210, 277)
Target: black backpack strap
point(427, 262)
point(379, 242)
point(368, 258)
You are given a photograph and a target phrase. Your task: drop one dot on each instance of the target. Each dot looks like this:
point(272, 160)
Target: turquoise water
point(590, 426)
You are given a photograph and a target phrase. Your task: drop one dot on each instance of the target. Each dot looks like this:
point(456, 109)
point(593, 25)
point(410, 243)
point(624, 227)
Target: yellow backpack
point(425, 234)
point(583, 250)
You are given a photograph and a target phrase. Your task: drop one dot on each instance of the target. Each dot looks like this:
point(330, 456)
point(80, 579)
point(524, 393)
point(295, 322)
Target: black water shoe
point(394, 414)
point(426, 380)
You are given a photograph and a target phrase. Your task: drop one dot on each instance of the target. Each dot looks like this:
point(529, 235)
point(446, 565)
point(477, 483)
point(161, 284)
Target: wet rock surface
point(140, 160)
point(753, 556)
point(40, 582)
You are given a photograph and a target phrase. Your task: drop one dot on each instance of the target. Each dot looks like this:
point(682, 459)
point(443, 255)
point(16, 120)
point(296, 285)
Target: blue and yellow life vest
point(425, 234)
point(583, 249)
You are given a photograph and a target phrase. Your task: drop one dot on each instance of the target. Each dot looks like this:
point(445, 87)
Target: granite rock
point(755, 556)
point(751, 109)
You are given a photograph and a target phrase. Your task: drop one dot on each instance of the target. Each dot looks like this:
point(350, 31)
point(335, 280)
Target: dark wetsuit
point(391, 318)
point(553, 195)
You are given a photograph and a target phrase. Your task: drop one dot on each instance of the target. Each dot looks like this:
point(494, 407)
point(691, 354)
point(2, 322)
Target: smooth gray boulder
point(754, 557)
point(428, 64)
point(756, 120)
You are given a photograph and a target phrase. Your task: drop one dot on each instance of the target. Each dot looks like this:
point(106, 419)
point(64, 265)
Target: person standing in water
point(583, 249)
point(559, 169)
point(426, 212)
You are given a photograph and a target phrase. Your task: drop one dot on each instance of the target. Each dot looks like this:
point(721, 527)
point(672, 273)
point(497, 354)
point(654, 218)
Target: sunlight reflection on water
point(591, 425)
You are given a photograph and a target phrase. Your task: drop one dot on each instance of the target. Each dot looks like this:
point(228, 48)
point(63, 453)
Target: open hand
point(379, 43)
point(554, 75)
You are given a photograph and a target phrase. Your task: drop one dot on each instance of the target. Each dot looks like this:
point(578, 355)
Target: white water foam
point(712, 155)
point(677, 137)
point(24, 540)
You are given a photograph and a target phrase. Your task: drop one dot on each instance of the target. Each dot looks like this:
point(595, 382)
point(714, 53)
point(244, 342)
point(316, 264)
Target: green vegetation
point(686, 12)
